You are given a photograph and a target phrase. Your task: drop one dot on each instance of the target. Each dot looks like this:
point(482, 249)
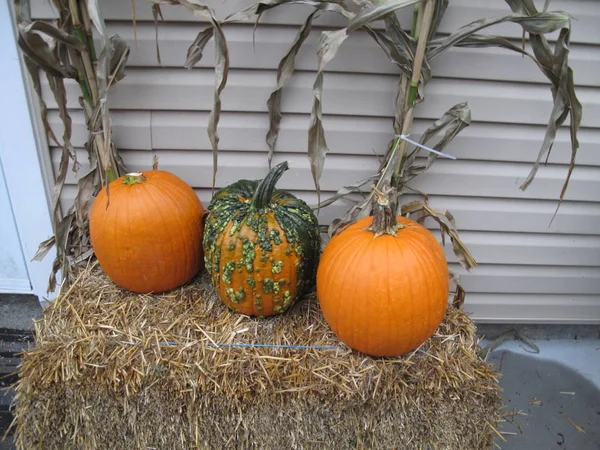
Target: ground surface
point(555, 394)
point(552, 398)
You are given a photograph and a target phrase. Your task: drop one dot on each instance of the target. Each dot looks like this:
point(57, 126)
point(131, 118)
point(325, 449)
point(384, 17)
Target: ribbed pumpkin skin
point(260, 261)
point(149, 238)
point(383, 296)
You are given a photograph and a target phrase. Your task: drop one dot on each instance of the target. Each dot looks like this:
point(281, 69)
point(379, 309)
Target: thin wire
point(318, 347)
point(424, 147)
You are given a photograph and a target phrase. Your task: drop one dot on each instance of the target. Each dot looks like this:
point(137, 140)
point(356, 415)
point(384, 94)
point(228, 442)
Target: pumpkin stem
point(384, 219)
point(134, 178)
point(264, 191)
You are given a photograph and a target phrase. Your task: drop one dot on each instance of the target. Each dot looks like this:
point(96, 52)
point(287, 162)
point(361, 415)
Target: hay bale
point(116, 370)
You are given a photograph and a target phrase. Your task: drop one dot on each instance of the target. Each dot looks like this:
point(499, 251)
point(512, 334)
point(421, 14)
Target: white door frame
point(24, 156)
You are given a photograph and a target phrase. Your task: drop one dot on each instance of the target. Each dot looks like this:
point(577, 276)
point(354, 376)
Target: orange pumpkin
point(382, 284)
point(147, 232)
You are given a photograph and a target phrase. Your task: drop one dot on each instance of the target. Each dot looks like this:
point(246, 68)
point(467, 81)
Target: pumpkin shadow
point(561, 407)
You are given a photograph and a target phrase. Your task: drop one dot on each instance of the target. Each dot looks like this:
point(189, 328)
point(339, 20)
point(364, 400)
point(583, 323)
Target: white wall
point(24, 207)
point(529, 271)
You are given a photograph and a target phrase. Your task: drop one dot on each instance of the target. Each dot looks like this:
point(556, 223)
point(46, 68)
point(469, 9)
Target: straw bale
point(115, 370)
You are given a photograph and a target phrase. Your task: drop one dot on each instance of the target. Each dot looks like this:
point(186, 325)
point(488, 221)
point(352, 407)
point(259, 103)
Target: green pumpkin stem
point(264, 192)
point(134, 178)
point(384, 219)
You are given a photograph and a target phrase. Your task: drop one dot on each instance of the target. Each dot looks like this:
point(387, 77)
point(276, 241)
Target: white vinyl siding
point(530, 270)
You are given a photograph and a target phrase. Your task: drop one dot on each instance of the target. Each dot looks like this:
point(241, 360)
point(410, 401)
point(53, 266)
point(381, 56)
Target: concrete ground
point(17, 311)
point(552, 398)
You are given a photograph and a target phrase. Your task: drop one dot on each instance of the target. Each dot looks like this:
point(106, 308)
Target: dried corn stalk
point(66, 50)
point(411, 52)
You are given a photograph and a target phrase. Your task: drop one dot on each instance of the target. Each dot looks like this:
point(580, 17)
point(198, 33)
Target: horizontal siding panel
point(130, 129)
point(534, 249)
point(533, 308)
point(176, 130)
point(514, 263)
point(527, 216)
point(445, 177)
point(530, 269)
point(359, 54)
point(181, 89)
point(531, 279)
point(460, 13)
point(471, 214)
point(185, 130)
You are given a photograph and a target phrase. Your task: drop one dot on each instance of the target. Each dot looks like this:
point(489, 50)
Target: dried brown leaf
point(284, 73)
point(447, 226)
point(156, 13)
point(86, 186)
point(35, 80)
point(378, 12)
point(540, 23)
point(39, 53)
point(196, 49)
point(451, 123)
point(317, 145)
point(68, 152)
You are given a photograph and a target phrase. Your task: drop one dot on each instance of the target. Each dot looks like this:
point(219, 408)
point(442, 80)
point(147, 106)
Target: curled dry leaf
point(32, 69)
point(460, 294)
point(371, 14)
point(284, 73)
point(539, 24)
point(451, 123)
point(447, 226)
point(200, 10)
point(554, 65)
point(196, 49)
point(67, 151)
point(39, 52)
point(156, 14)
point(317, 145)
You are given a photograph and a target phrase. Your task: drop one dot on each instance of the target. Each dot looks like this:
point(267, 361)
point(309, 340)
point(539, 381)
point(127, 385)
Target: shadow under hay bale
point(116, 370)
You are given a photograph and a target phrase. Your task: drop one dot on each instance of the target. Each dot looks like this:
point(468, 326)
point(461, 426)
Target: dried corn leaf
point(156, 13)
point(451, 123)
point(258, 8)
point(378, 12)
point(56, 33)
point(565, 103)
point(317, 145)
point(32, 68)
point(86, 187)
point(200, 10)
point(221, 71)
point(393, 51)
point(447, 226)
point(540, 23)
point(61, 262)
point(438, 14)
point(284, 73)
point(68, 152)
point(345, 191)
point(39, 52)
point(523, 6)
point(460, 294)
point(554, 65)
point(118, 59)
point(196, 49)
